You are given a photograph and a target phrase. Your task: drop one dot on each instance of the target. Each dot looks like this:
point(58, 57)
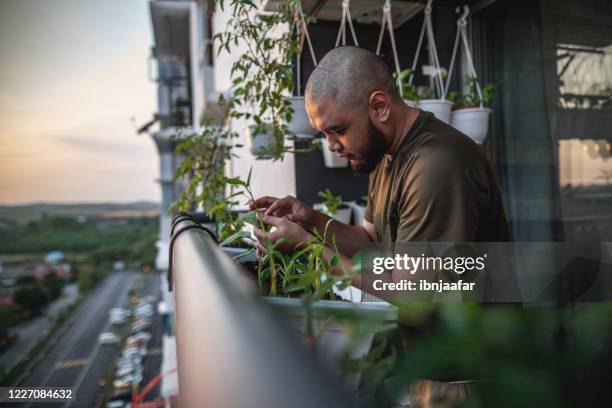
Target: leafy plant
point(263, 74)
point(409, 91)
point(204, 155)
point(471, 98)
point(332, 202)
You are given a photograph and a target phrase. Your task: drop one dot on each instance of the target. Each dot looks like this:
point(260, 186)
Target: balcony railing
point(231, 350)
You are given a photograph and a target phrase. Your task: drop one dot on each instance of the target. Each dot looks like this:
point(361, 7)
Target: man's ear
point(380, 106)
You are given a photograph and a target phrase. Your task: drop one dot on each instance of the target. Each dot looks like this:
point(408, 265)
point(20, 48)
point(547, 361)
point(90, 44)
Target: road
point(76, 359)
point(30, 331)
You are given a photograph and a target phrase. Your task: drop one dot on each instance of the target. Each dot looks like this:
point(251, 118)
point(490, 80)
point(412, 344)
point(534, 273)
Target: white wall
point(268, 177)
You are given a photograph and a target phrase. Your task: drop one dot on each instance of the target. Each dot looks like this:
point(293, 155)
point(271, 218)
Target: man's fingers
point(270, 220)
point(262, 202)
point(260, 234)
point(280, 207)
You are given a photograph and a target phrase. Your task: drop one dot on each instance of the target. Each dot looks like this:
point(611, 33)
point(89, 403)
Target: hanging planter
point(299, 126)
point(263, 144)
point(439, 107)
point(331, 159)
point(473, 122)
point(470, 116)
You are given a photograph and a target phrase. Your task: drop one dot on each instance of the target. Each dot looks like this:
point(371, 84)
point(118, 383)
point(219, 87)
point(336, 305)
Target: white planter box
point(333, 339)
point(412, 104)
point(473, 122)
point(441, 109)
point(300, 124)
point(342, 215)
point(331, 159)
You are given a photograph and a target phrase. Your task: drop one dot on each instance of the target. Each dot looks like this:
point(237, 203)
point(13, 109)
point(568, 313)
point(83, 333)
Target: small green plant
point(409, 91)
point(332, 202)
point(204, 155)
point(471, 98)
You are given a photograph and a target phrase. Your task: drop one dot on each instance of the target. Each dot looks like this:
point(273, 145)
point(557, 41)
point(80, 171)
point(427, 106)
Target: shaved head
point(347, 76)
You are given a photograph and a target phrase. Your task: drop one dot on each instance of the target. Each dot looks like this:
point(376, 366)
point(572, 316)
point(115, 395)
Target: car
point(118, 404)
point(127, 381)
point(108, 338)
point(117, 319)
point(143, 336)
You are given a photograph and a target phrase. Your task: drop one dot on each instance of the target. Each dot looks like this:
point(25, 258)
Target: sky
point(73, 88)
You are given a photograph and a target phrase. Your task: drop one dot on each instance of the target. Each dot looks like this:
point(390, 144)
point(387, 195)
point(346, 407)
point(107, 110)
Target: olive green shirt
point(438, 186)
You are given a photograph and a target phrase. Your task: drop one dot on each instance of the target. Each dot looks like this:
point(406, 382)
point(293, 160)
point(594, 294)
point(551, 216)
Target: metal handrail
point(231, 352)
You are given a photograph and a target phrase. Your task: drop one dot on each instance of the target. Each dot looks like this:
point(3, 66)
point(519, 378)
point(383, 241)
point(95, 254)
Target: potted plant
point(471, 111)
point(299, 126)
point(262, 75)
point(334, 207)
point(204, 154)
point(441, 108)
point(359, 208)
point(300, 287)
point(408, 90)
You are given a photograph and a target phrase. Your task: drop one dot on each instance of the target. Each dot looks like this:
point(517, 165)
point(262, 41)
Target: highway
point(76, 359)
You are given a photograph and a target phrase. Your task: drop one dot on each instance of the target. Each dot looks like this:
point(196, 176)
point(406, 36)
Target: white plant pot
point(358, 212)
point(300, 124)
point(261, 144)
point(343, 214)
point(441, 109)
point(473, 122)
point(412, 104)
point(331, 159)
point(333, 340)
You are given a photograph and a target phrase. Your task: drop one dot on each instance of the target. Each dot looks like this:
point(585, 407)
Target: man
point(428, 182)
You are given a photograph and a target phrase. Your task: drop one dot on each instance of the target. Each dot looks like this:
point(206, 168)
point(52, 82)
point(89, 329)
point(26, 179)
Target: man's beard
point(375, 150)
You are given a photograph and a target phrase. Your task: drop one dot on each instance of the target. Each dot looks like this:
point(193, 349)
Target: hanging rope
point(427, 29)
point(346, 16)
point(388, 21)
point(302, 31)
point(462, 34)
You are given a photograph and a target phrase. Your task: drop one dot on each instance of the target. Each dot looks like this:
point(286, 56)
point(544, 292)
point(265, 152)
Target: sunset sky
point(73, 75)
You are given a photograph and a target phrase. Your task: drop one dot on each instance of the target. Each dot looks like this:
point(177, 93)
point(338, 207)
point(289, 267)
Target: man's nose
point(333, 144)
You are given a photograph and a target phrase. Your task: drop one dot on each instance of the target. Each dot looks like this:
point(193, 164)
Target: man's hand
point(289, 207)
point(290, 232)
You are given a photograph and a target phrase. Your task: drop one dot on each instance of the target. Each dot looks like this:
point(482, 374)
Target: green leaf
point(234, 237)
point(250, 218)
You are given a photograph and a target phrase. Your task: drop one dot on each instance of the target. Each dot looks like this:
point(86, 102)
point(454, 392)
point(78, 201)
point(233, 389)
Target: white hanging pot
point(440, 108)
point(261, 144)
point(331, 159)
point(411, 103)
point(300, 125)
point(473, 122)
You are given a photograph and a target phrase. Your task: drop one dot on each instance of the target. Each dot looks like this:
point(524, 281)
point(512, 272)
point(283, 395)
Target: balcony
point(235, 348)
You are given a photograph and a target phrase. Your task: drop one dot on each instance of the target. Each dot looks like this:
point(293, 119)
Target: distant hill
point(25, 213)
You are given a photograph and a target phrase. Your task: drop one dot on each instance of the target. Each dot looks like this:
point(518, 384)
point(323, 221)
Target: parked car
point(108, 338)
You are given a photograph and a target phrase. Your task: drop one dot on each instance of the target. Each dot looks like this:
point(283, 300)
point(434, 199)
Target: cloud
point(98, 145)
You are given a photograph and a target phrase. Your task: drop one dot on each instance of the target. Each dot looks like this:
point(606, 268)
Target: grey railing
point(231, 351)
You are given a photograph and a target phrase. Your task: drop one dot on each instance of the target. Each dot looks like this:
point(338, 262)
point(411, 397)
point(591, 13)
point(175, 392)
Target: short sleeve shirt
point(438, 186)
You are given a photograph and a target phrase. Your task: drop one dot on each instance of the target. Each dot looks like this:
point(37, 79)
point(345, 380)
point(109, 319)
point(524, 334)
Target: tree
point(33, 298)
